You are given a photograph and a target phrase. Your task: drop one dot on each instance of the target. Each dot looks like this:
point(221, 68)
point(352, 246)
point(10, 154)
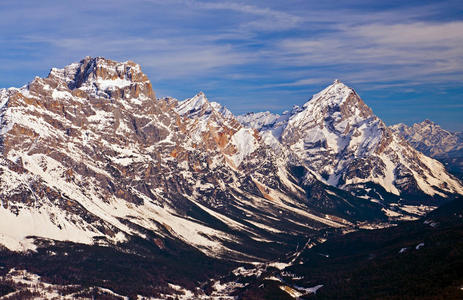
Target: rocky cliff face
point(76, 145)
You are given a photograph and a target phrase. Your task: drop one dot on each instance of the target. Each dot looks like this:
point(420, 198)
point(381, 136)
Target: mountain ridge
point(91, 159)
point(338, 121)
point(107, 150)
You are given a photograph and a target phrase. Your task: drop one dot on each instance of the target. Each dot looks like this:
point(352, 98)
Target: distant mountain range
point(432, 140)
point(159, 197)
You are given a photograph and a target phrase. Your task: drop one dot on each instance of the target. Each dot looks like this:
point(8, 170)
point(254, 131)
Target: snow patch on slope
point(246, 144)
point(191, 105)
point(258, 120)
point(112, 84)
point(38, 222)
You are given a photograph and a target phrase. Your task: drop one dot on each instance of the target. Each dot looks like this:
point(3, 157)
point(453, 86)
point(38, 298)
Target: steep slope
point(89, 155)
point(259, 120)
point(432, 140)
point(256, 167)
point(338, 138)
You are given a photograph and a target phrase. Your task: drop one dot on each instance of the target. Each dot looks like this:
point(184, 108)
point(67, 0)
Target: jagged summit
point(337, 109)
point(338, 97)
point(104, 76)
point(214, 127)
point(427, 121)
point(200, 106)
point(192, 105)
point(258, 120)
point(98, 68)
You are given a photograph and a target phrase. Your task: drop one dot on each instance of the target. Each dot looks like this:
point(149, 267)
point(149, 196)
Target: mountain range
point(436, 142)
point(102, 178)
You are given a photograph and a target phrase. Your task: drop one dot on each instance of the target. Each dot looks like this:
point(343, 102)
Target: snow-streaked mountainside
point(259, 120)
point(89, 156)
point(337, 137)
point(199, 105)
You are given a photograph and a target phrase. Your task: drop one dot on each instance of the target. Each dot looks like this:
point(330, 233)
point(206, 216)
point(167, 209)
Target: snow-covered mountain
point(90, 157)
point(338, 138)
point(259, 120)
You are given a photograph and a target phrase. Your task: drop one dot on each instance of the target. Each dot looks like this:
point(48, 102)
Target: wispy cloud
point(416, 50)
point(262, 18)
point(266, 18)
point(300, 82)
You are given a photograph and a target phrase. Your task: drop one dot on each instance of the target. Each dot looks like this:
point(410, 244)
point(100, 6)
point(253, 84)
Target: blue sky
point(404, 59)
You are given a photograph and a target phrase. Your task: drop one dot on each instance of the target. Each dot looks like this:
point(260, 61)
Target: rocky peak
point(193, 106)
point(259, 120)
point(222, 110)
point(337, 111)
point(338, 97)
point(338, 137)
point(105, 77)
point(94, 96)
point(399, 127)
point(213, 128)
point(200, 106)
point(427, 125)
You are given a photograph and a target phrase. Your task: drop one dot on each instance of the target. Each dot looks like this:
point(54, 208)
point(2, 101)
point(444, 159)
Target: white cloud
point(268, 19)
